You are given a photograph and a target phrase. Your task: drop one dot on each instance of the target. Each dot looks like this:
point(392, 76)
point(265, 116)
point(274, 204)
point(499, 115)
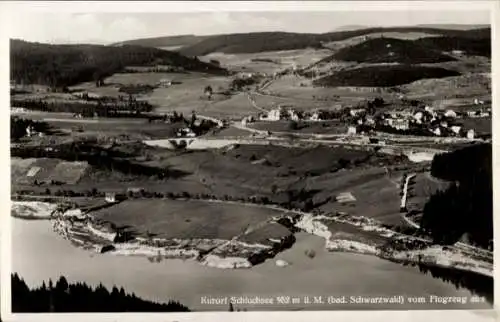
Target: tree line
point(97, 157)
point(89, 108)
point(80, 297)
point(466, 207)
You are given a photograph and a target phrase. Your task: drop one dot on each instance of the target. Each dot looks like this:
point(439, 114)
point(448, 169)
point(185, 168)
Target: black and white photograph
point(250, 161)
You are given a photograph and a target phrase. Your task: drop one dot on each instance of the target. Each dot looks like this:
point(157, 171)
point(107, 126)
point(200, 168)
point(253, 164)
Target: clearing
point(181, 219)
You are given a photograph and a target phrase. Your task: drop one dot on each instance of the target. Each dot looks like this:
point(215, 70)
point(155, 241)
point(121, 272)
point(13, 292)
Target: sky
point(78, 25)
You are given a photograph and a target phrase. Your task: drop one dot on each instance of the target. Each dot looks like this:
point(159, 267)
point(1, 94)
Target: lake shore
point(82, 231)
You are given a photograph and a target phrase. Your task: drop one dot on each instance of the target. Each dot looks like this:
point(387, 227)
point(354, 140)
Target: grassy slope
point(183, 219)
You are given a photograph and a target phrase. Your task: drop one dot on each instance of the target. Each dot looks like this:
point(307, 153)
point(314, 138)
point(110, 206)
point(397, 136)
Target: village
point(421, 120)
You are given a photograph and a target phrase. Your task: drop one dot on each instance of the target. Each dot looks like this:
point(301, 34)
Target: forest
point(80, 297)
point(88, 108)
point(59, 66)
point(466, 207)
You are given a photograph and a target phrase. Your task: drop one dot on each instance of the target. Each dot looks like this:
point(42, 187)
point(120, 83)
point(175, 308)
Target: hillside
point(382, 76)
point(470, 46)
point(168, 41)
point(390, 50)
point(252, 43)
point(64, 65)
point(276, 41)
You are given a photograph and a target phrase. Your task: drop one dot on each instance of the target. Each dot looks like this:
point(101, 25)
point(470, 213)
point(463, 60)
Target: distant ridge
point(255, 42)
point(167, 41)
point(455, 26)
point(275, 41)
point(350, 27)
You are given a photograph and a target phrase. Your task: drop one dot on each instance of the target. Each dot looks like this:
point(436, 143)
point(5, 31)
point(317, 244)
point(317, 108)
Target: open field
point(323, 127)
point(185, 219)
point(307, 101)
point(375, 192)
point(27, 171)
point(469, 86)
point(184, 96)
point(139, 129)
point(235, 107)
point(268, 62)
point(289, 89)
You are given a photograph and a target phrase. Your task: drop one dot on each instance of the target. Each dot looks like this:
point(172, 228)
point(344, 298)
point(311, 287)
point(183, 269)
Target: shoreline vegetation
point(80, 297)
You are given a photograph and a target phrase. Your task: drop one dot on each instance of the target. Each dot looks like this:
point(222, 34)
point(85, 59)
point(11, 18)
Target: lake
point(40, 254)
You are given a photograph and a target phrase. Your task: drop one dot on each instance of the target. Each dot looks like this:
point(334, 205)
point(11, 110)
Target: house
point(401, 124)
point(357, 111)
point(29, 130)
point(110, 197)
point(351, 130)
point(418, 116)
point(315, 117)
point(456, 129)
point(293, 115)
point(478, 102)
point(429, 109)
point(450, 113)
point(470, 134)
point(165, 82)
point(437, 131)
point(274, 114)
point(247, 119)
point(370, 121)
point(186, 132)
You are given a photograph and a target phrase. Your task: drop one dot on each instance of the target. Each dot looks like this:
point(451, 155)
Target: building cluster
point(424, 120)
point(185, 132)
point(30, 131)
point(287, 113)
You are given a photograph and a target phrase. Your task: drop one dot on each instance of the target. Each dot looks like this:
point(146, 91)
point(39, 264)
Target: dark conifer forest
point(58, 66)
point(467, 205)
point(80, 297)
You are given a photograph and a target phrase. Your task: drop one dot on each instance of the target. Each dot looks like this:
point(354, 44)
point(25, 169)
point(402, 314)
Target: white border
point(9, 7)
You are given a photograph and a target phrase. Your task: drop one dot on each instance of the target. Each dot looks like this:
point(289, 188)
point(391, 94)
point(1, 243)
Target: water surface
point(40, 254)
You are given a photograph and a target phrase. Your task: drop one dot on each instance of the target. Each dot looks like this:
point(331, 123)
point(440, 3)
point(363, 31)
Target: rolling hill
point(382, 76)
point(161, 42)
point(390, 50)
point(276, 41)
point(64, 65)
